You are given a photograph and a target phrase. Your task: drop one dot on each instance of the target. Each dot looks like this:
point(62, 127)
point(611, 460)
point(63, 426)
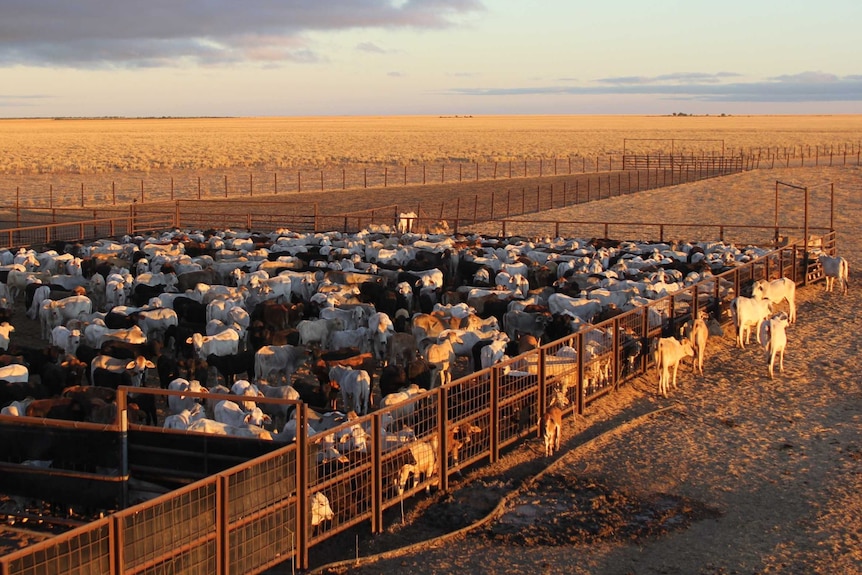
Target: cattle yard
point(223, 505)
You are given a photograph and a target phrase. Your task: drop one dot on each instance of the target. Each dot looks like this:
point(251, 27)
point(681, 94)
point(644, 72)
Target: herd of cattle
point(344, 322)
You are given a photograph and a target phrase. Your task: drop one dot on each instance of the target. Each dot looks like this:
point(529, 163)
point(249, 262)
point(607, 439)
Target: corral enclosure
point(107, 159)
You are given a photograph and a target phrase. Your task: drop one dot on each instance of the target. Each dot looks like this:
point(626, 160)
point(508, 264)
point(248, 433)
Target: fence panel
point(174, 533)
point(82, 551)
point(262, 514)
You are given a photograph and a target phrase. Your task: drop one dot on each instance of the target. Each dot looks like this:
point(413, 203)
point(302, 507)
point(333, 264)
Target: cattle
point(352, 315)
point(401, 349)
point(360, 338)
point(423, 466)
point(230, 365)
point(111, 372)
point(214, 427)
point(777, 291)
point(69, 308)
point(224, 343)
point(318, 331)
point(381, 329)
point(96, 335)
point(550, 429)
point(406, 221)
point(275, 363)
point(189, 280)
point(66, 408)
point(66, 339)
point(669, 353)
point(355, 387)
point(232, 414)
point(835, 268)
point(278, 411)
point(116, 294)
point(441, 356)
point(521, 322)
point(178, 403)
point(6, 329)
point(155, 322)
point(185, 418)
point(40, 294)
point(14, 373)
point(749, 313)
point(426, 325)
point(320, 509)
point(583, 309)
point(698, 333)
point(776, 342)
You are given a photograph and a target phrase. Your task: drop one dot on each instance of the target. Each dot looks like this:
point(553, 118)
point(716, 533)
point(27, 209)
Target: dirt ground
point(740, 474)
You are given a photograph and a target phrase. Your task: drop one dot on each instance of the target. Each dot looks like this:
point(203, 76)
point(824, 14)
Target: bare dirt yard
point(735, 474)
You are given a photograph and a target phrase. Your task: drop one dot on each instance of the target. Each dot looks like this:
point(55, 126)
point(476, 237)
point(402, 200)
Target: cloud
point(370, 47)
point(121, 33)
point(677, 77)
point(803, 87)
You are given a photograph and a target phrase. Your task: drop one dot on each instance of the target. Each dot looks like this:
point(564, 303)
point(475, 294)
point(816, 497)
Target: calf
point(669, 353)
point(776, 342)
point(698, 334)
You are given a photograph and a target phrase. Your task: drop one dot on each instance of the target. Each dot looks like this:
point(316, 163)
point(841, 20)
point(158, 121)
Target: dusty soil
point(742, 474)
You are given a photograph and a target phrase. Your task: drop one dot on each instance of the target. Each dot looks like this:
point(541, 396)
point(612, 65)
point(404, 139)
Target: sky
point(152, 58)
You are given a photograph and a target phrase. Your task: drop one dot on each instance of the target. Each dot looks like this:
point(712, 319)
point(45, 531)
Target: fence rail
point(96, 191)
point(257, 514)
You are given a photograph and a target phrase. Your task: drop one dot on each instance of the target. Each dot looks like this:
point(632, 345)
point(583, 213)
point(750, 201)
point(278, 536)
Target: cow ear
point(130, 365)
point(189, 340)
point(150, 365)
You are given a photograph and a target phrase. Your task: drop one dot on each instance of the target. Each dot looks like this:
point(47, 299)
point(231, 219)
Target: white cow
point(179, 403)
point(698, 334)
point(66, 339)
point(835, 268)
point(14, 373)
point(355, 386)
point(232, 414)
point(273, 362)
point(749, 313)
point(777, 291)
point(220, 344)
point(381, 329)
point(41, 294)
point(185, 418)
point(669, 353)
point(776, 341)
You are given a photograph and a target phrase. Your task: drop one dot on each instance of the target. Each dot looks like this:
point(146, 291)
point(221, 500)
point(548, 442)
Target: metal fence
point(254, 515)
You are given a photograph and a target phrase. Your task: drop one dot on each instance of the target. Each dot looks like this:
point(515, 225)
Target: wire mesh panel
point(261, 511)
point(682, 310)
point(82, 551)
point(632, 343)
point(339, 479)
point(174, 533)
point(518, 398)
point(561, 367)
point(468, 420)
point(598, 345)
point(406, 467)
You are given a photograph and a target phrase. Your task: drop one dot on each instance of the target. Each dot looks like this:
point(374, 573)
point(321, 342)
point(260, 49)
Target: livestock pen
point(254, 514)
